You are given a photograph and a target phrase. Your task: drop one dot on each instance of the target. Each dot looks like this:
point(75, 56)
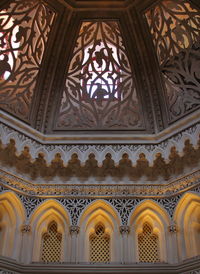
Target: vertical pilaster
point(74, 230)
point(25, 246)
point(124, 230)
point(173, 250)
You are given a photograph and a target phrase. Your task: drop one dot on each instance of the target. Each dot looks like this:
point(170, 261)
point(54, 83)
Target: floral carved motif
point(175, 29)
point(100, 92)
point(24, 31)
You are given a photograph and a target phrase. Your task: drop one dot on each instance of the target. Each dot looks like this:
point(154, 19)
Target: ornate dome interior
point(99, 103)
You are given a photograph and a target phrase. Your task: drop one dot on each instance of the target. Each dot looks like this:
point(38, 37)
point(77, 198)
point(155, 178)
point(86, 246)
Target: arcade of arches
point(99, 136)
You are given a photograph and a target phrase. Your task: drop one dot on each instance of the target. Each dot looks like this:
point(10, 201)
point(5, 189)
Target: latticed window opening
point(148, 245)
point(99, 246)
point(175, 29)
point(51, 245)
point(100, 91)
point(24, 31)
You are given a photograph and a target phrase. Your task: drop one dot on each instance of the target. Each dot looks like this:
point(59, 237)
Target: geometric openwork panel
point(99, 91)
point(51, 244)
point(99, 246)
point(175, 29)
point(148, 245)
point(24, 31)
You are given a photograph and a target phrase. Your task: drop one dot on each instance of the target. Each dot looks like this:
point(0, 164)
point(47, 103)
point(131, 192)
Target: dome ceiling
point(129, 69)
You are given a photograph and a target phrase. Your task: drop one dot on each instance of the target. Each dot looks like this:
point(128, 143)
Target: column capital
point(25, 228)
point(173, 228)
point(124, 229)
point(74, 229)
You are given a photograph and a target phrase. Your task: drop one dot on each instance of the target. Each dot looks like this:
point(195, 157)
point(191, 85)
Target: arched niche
point(149, 212)
point(99, 213)
point(187, 217)
point(12, 216)
point(48, 212)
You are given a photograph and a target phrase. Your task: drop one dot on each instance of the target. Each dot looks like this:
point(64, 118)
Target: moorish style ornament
point(24, 31)
point(175, 30)
point(99, 92)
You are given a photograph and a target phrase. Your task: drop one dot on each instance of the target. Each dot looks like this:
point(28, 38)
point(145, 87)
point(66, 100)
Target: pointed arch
point(187, 217)
point(51, 244)
point(99, 213)
point(151, 213)
point(46, 213)
point(12, 216)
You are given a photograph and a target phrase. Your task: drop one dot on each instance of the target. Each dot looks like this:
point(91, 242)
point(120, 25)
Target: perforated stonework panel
point(99, 246)
point(175, 30)
point(148, 245)
point(51, 245)
point(24, 31)
point(100, 92)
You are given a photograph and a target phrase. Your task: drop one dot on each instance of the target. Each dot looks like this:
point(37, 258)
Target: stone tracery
point(115, 180)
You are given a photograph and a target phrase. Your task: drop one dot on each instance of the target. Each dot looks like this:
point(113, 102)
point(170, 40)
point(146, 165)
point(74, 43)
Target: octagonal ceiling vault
point(128, 71)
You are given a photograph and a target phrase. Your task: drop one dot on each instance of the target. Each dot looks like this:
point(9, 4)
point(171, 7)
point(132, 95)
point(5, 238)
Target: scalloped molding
point(100, 150)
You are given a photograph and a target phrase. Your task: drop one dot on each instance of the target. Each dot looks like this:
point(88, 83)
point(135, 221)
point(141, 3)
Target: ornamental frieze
point(164, 160)
point(111, 188)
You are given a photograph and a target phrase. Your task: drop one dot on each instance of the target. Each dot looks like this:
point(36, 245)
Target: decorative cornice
point(148, 147)
point(134, 161)
point(104, 189)
point(87, 138)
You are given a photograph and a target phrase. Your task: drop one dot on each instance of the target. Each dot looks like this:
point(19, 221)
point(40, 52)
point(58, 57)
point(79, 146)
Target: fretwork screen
point(25, 27)
point(148, 245)
point(175, 29)
point(100, 91)
point(51, 245)
point(99, 246)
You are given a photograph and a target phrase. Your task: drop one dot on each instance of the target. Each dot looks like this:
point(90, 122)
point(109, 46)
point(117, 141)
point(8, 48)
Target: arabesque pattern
point(24, 31)
point(99, 92)
point(175, 29)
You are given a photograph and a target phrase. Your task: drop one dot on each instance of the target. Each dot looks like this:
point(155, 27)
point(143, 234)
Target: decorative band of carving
point(149, 149)
point(184, 183)
point(133, 161)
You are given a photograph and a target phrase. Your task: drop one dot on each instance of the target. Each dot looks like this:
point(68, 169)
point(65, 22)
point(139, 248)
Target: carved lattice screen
point(51, 245)
point(24, 31)
point(99, 92)
point(148, 245)
point(99, 246)
point(175, 29)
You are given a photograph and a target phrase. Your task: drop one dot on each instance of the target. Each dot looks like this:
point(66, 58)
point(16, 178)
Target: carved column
point(25, 245)
point(124, 230)
point(173, 252)
point(74, 230)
